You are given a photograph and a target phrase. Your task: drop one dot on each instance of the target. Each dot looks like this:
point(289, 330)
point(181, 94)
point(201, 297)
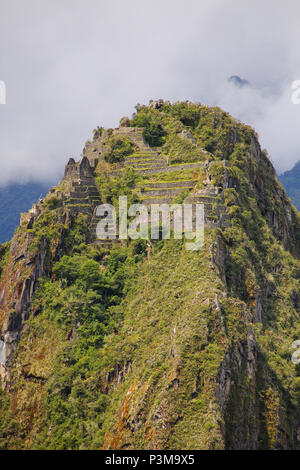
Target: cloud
point(74, 64)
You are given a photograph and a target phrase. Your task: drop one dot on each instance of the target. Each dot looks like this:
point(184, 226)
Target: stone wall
point(76, 171)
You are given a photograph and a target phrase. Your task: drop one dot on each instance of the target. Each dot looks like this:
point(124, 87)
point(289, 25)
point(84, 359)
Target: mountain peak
point(139, 343)
point(238, 81)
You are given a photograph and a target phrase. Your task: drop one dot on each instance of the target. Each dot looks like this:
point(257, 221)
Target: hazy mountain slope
point(149, 346)
point(291, 181)
point(14, 199)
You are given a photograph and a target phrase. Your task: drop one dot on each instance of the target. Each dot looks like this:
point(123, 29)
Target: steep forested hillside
point(141, 344)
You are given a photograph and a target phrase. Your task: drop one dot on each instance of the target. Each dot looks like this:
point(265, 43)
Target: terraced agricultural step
point(91, 188)
point(140, 171)
point(77, 200)
point(157, 200)
point(150, 162)
point(95, 202)
point(204, 199)
point(79, 208)
point(83, 193)
point(142, 159)
point(165, 169)
point(95, 197)
point(84, 181)
point(170, 184)
point(142, 156)
point(77, 194)
point(153, 166)
point(165, 192)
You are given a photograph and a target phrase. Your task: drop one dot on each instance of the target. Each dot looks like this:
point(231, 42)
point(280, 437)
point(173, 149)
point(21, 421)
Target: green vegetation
point(210, 129)
point(112, 188)
point(117, 148)
point(154, 133)
point(48, 227)
point(4, 252)
point(84, 301)
point(180, 175)
point(80, 305)
point(182, 150)
point(98, 132)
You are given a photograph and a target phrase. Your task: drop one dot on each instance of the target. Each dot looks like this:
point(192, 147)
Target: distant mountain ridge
point(291, 181)
point(238, 81)
point(14, 199)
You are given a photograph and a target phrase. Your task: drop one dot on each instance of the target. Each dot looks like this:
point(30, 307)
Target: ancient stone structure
point(147, 161)
point(78, 171)
point(84, 195)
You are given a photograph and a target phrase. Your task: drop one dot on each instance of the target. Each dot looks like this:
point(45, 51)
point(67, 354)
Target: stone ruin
point(78, 171)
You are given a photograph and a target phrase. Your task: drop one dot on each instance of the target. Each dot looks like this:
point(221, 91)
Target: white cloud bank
point(70, 65)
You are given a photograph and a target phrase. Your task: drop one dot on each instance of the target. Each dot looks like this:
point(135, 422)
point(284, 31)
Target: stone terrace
point(146, 161)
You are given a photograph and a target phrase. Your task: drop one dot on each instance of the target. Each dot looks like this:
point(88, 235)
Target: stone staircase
point(83, 193)
point(94, 149)
point(141, 161)
point(150, 193)
point(110, 231)
point(216, 213)
point(165, 190)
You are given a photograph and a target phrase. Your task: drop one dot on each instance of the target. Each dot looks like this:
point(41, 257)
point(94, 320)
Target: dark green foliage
point(48, 226)
point(212, 129)
point(142, 118)
point(98, 132)
point(154, 132)
point(4, 251)
point(53, 203)
point(189, 115)
point(84, 299)
point(112, 188)
point(117, 149)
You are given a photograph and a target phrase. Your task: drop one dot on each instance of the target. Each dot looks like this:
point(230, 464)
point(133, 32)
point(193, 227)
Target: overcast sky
point(70, 65)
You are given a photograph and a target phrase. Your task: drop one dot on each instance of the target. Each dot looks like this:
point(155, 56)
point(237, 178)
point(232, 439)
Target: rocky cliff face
point(39, 242)
point(144, 345)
